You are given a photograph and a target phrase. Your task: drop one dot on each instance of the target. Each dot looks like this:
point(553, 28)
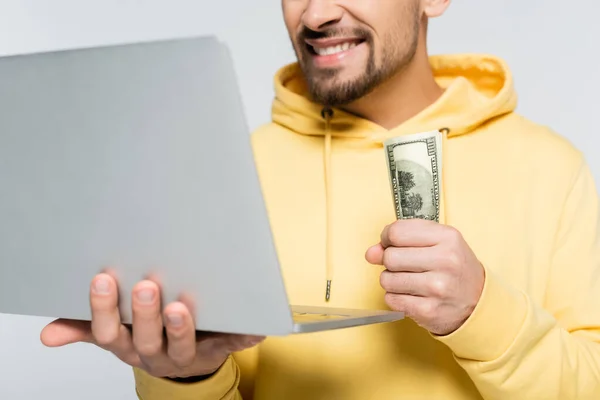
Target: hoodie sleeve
point(221, 386)
point(513, 348)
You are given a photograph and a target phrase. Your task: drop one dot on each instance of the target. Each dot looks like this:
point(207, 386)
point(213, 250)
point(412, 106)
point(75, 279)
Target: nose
point(320, 14)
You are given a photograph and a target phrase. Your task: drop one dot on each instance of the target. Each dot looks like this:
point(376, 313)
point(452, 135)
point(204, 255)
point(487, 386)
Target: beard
point(327, 86)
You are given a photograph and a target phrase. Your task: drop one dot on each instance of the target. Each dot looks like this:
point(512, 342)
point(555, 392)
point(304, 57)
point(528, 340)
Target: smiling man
point(502, 295)
point(343, 61)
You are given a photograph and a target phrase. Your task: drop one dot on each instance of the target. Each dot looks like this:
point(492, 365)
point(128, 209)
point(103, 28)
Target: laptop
point(137, 157)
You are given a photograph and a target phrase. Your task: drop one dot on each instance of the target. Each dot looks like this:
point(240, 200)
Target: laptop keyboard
point(308, 317)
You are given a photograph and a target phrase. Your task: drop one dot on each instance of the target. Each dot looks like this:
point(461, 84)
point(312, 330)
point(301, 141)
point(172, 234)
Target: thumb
point(63, 332)
point(374, 254)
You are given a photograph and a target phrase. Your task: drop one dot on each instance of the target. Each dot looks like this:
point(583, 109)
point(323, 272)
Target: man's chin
point(332, 92)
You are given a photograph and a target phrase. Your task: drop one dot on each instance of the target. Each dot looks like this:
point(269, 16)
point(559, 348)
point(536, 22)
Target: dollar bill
point(415, 166)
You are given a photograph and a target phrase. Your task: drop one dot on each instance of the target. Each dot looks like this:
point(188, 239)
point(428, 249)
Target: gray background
point(551, 46)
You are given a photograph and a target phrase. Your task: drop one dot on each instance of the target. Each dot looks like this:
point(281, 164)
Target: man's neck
point(400, 98)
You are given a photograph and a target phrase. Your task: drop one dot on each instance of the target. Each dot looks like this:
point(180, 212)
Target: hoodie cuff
point(494, 324)
point(222, 385)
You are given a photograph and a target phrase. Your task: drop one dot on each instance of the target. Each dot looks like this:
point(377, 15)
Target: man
point(502, 295)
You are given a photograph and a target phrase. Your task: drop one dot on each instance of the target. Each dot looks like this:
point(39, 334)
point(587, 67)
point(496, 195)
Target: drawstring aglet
point(328, 291)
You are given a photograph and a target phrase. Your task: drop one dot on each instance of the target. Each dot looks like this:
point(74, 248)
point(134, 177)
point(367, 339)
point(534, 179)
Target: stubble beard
point(327, 88)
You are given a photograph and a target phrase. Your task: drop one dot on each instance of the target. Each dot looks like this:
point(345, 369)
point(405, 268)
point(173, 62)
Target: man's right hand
point(162, 342)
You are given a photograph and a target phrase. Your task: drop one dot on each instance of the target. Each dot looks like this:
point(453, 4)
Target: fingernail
point(102, 286)
point(175, 319)
point(145, 296)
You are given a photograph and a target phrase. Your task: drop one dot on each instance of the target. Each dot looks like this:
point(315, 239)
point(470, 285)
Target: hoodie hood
point(477, 89)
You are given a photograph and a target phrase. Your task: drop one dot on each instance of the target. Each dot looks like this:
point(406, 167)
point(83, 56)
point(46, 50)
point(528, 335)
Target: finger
point(374, 255)
point(412, 259)
point(424, 311)
point(181, 334)
point(63, 332)
point(424, 284)
point(404, 283)
point(412, 233)
point(417, 308)
point(106, 321)
point(107, 331)
point(147, 323)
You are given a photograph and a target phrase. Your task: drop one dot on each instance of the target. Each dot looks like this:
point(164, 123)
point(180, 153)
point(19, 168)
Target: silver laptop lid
point(135, 157)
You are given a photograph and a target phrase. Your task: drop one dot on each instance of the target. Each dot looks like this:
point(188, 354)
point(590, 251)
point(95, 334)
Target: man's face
point(346, 48)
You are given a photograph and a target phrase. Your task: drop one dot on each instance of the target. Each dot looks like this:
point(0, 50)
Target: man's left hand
point(431, 274)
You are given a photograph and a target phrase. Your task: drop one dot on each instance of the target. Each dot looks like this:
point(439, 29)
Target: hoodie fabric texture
point(524, 200)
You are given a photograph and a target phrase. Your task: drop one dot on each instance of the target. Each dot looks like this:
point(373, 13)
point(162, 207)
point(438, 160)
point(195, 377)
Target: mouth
point(332, 50)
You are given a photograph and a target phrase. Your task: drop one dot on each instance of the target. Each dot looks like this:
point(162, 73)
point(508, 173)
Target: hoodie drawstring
point(327, 114)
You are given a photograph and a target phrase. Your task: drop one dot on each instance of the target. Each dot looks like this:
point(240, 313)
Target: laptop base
point(309, 319)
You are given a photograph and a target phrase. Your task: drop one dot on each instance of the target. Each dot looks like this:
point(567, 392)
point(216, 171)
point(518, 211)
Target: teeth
point(327, 51)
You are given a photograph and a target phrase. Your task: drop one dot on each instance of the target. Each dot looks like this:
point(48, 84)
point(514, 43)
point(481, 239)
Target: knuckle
point(453, 259)
point(454, 235)
point(385, 280)
point(427, 311)
point(148, 349)
point(395, 233)
point(439, 287)
point(106, 338)
point(389, 257)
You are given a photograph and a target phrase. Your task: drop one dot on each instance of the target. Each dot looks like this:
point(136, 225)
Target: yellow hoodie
point(522, 197)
